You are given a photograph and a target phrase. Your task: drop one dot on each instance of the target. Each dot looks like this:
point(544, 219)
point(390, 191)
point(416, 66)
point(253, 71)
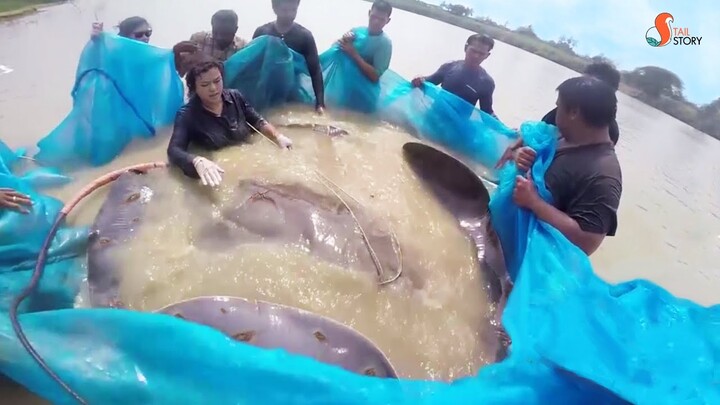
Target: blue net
point(111, 106)
point(22, 235)
point(575, 338)
point(268, 74)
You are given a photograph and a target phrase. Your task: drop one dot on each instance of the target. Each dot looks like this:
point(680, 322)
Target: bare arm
point(313, 63)
point(587, 241)
point(367, 69)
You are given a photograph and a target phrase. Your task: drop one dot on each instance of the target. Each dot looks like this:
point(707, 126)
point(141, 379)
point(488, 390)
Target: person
point(374, 59)
point(14, 201)
point(601, 70)
point(214, 118)
point(136, 28)
point(299, 39)
point(221, 43)
point(466, 78)
point(607, 73)
point(584, 178)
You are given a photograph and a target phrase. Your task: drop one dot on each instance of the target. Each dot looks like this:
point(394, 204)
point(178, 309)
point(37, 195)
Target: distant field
point(8, 6)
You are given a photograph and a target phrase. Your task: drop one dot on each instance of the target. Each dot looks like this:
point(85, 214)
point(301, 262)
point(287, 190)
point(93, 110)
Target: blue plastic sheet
point(268, 74)
point(576, 339)
point(22, 235)
point(124, 89)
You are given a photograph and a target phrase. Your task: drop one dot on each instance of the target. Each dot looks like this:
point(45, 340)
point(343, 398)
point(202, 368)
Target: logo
point(663, 33)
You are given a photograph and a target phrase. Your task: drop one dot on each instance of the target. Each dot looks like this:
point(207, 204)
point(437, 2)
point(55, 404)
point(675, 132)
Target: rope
point(325, 181)
point(42, 259)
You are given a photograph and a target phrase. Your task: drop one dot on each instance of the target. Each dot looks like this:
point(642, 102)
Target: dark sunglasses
point(140, 34)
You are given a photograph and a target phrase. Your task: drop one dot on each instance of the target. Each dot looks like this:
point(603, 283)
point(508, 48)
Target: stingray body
point(274, 326)
point(462, 193)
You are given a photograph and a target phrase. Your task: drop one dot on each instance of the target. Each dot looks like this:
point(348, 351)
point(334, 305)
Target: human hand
point(348, 47)
point(524, 158)
point(12, 200)
point(348, 37)
point(417, 82)
point(210, 173)
point(525, 194)
point(320, 110)
point(97, 29)
point(284, 142)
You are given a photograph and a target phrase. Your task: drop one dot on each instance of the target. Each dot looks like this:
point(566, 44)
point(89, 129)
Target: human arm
point(367, 69)
point(435, 78)
point(485, 99)
point(313, 63)
point(258, 123)
point(591, 216)
point(180, 139)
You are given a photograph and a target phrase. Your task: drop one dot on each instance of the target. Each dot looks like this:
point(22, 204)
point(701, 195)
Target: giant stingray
point(325, 225)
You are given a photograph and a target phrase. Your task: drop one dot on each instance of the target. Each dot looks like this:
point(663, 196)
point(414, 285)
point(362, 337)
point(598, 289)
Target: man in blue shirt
point(374, 59)
point(466, 78)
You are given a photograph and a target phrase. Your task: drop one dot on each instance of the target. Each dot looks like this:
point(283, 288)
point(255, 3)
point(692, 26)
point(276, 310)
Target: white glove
point(210, 173)
point(284, 142)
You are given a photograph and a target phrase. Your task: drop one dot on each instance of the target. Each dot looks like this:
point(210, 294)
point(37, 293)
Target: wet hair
point(128, 26)
point(202, 66)
point(225, 18)
point(382, 6)
point(606, 72)
point(276, 3)
point(481, 39)
point(595, 100)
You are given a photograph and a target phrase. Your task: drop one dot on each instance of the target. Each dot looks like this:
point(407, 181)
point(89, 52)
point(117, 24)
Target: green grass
point(11, 6)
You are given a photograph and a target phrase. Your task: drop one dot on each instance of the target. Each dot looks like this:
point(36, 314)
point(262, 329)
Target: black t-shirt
point(300, 40)
point(614, 130)
point(586, 184)
point(196, 125)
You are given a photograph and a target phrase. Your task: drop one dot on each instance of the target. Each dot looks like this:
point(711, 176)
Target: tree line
point(653, 85)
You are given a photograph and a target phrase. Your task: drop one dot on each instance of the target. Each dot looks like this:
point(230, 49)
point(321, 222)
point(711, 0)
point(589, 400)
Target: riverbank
point(703, 118)
point(17, 8)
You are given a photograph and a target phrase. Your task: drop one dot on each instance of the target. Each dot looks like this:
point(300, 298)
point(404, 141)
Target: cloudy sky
point(616, 29)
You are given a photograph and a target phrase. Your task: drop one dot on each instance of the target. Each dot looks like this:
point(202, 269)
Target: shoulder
point(485, 76)
point(199, 36)
point(240, 42)
point(234, 95)
point(185, 113)
point(264, 29)
point(303, 31)
point(549, 118)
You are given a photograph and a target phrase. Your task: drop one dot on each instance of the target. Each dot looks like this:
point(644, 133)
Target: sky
point(616, 29)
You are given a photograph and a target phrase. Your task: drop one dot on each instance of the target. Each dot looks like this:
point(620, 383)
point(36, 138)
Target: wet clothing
point(206, 46)
point(586, 184)
point(472, 84)
point(196, 125)
point(549, 118)
point(300, 40)
point(377, 51)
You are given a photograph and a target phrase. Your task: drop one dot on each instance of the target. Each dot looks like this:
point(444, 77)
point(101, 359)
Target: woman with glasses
point(136, 28)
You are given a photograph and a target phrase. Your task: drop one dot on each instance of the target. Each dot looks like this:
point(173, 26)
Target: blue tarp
point(576, 339)
point(111, 103)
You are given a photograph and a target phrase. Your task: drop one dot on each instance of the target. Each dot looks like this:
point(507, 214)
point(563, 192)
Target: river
point(669, 220)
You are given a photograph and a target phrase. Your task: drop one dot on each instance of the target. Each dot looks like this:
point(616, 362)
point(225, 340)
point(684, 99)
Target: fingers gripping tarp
point(575, 338)
point(22, 235)
point(124, 89)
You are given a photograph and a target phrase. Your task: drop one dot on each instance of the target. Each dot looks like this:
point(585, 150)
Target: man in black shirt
point(584, 177)
point(299, 39)
point(213, 119)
